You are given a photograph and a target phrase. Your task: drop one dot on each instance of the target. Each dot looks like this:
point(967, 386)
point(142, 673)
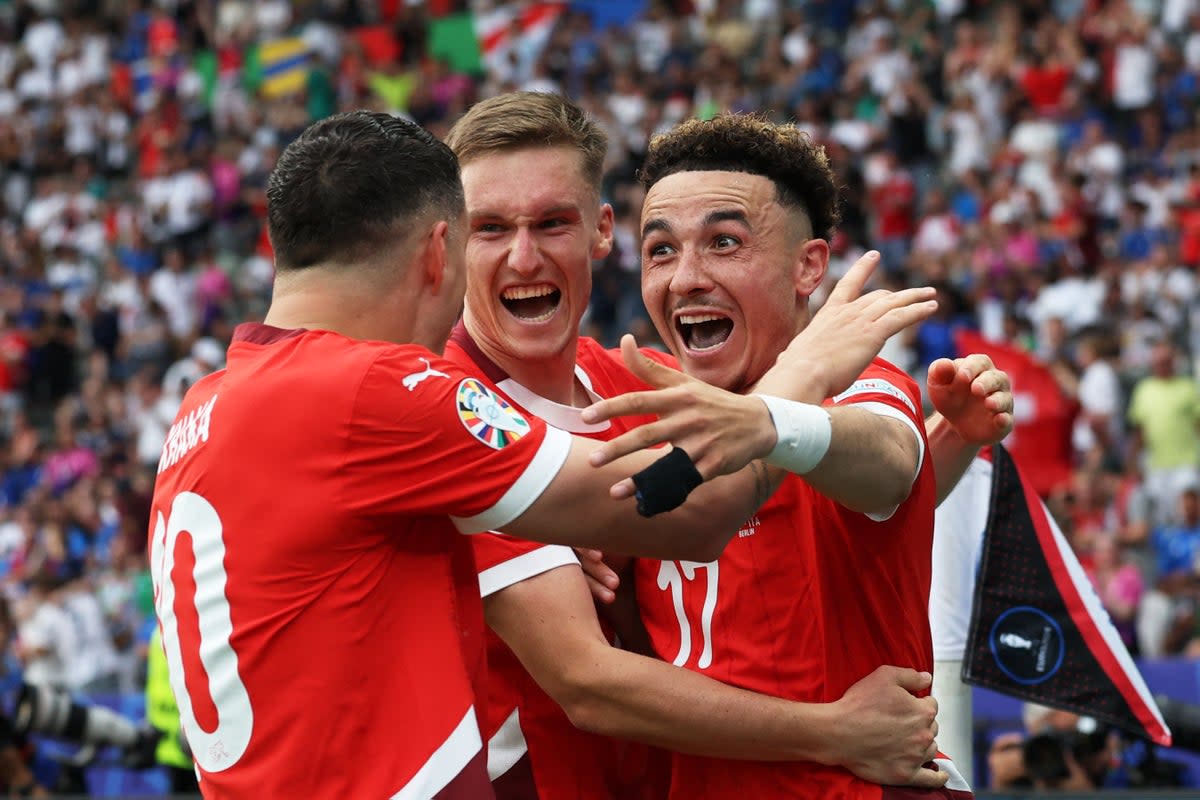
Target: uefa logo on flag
point(1027, 644)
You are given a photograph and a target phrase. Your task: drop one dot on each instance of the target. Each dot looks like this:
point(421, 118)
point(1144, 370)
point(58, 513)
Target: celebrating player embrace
point(318, 607)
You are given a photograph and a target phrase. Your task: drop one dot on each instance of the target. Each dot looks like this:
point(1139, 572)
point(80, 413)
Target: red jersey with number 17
point(807, 599)
point(320, 611)
point(533, 749)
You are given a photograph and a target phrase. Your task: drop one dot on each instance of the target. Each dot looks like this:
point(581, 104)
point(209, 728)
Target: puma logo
point(410, 381)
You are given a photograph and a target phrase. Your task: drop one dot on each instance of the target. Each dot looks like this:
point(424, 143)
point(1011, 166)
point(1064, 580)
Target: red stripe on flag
point(1083, 619)
point(494, 39)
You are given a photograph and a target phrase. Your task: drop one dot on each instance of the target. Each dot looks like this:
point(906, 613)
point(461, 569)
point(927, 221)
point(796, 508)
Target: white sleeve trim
point(542, 469)
point(884, 410)
point(507, 746)
point(875, 386)
point(447, 762)
point(524, 566)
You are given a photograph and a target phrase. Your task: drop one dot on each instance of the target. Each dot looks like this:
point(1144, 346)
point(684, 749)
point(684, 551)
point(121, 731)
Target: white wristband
point(803, 432)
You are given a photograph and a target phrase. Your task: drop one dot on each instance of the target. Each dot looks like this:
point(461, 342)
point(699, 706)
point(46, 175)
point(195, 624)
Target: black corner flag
point(1038, 630)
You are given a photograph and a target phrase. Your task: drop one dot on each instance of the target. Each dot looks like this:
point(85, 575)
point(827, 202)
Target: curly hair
point(787, 155)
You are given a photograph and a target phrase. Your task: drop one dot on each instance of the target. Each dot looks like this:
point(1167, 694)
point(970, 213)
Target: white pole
point(955, 719)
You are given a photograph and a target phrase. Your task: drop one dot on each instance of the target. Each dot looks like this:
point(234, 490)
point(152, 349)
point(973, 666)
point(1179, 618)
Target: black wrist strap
point(666, 483)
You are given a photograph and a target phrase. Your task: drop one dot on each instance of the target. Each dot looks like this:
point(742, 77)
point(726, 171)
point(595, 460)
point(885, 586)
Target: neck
point(349, 305)
point(551, 378)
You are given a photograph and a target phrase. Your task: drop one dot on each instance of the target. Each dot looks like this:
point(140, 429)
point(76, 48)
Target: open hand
point(720, 430)
point(844, 335)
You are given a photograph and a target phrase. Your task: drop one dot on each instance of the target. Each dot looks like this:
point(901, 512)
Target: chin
point(721, 376)
point(535, 347)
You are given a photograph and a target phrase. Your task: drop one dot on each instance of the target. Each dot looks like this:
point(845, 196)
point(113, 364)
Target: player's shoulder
point(604, 364)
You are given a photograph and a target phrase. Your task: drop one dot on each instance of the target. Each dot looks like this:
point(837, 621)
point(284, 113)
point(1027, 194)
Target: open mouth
point(531, 303)
point(703, 331)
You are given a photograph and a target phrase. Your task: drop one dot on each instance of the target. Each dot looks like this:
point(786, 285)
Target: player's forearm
point(577, 510)
point(645, 700)
point(950, 454)
point(870, 464)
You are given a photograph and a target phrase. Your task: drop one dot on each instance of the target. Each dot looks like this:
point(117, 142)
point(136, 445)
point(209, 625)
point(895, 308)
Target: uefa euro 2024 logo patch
point(487, 416)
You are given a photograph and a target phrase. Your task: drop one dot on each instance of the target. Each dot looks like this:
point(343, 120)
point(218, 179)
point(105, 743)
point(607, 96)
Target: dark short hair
point(517, 120)
point(350, 184)
point(785, 154)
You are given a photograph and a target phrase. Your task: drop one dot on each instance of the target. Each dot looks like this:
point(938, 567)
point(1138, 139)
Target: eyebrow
point(712, 218)
point(655, 225)
point(727, 215)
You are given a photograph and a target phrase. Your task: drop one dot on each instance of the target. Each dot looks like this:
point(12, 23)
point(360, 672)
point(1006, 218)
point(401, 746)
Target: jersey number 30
point(221, 748)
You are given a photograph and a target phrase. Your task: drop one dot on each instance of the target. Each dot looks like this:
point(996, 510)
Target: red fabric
point(1044, 86)
point(162, 36)
point(1041, 439)
point(894, 201)
point(1189, 235)
point(378, 44)
point(807, 599)
point(342, 604)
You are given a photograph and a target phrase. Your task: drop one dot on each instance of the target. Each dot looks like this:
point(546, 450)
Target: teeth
point(696, 319)
point(527, 292)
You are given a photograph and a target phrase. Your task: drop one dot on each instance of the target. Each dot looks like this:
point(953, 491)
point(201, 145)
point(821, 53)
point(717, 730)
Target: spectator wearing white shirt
point(173, 286)
point(939, 231)
point(46, 638)
point(965, 136)
point(206, 356)
point(1097, 431)
point(92, 666)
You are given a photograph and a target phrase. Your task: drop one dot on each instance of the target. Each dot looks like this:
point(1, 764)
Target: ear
point(604, 231)
point(811, 264)
point(434, 263)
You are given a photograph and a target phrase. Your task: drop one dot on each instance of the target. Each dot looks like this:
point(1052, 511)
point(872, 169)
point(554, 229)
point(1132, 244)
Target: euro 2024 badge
point(487, 416)
point(1027, 644)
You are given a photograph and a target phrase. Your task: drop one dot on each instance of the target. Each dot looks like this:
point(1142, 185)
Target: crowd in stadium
point(1037, 161)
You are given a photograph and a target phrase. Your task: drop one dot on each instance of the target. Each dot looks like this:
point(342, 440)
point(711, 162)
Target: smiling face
point(726, 272)
point(535, 227)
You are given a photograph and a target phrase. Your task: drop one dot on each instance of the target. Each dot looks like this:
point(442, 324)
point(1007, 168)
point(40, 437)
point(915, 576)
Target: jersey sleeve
point(503, 560)
point(429, 439)
point(888, 392)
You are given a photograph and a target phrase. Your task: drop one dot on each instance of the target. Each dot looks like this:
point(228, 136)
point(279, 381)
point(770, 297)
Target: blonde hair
point(519, 120)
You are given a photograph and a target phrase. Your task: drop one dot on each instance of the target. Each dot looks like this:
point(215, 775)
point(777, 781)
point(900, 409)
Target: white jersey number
point(671, 575)
point(221, 748)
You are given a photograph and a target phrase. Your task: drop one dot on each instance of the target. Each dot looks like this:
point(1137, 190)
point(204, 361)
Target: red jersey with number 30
point(320, 611)
point(533, 749)
point(807, 599)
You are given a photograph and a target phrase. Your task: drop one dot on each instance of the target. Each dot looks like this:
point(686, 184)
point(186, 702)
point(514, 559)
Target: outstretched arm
point(878, 730)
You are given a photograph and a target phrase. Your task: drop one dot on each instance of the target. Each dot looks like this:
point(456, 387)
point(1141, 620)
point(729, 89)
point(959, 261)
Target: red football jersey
point(320, 611)
point(533, 749)
point(807, 599)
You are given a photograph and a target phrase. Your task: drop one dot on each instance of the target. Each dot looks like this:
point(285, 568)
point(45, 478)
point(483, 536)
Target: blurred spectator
point(1168, 622)
point(1164, 411)
point(1119, 584)
point(1097, 433)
